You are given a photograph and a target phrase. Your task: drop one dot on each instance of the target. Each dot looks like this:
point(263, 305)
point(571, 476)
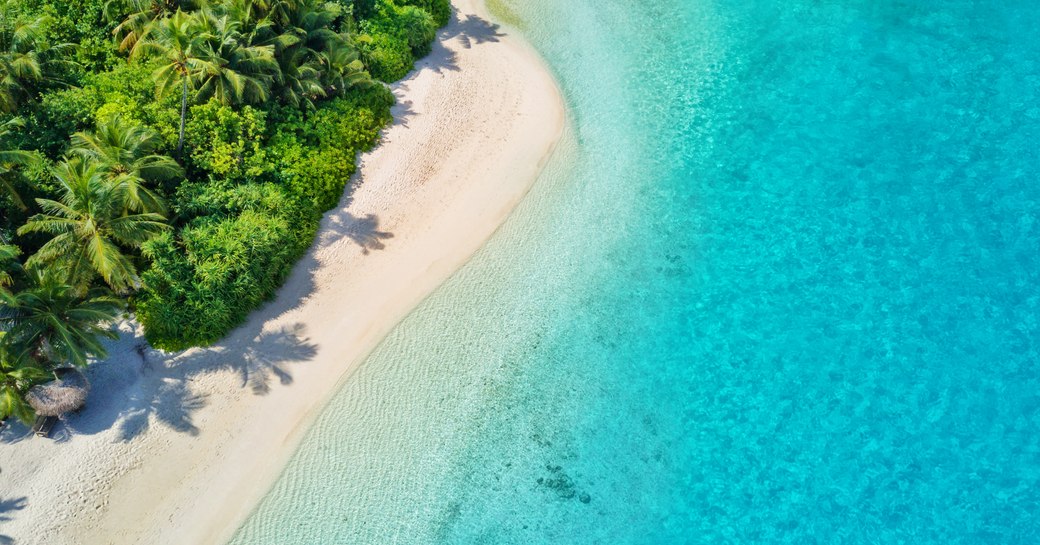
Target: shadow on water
point(6, 507)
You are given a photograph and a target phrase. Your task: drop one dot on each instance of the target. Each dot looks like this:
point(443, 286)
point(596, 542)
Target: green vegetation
point(172, 158)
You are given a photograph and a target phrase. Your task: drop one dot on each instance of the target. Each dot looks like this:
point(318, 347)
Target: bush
point(205, 282)
point(127, 90)
point(227, 144)
point(72, 20)
point(439, 9)
point(81, 23)
point(29, 181)
point(59, 114)
point(386, 56)
point(362, 9)
point(392, 40)
point(97, 53)
point(417, 28)
point(385, 34)
point(315, 156)
point(242, 238)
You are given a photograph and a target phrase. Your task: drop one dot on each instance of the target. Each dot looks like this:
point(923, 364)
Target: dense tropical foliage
point(172, 158)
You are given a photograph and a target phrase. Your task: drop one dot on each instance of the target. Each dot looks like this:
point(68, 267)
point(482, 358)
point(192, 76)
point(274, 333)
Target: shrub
point(81, 23)
point(439, 9)
point(315, 156)
point(242, 239)
point(363, 9)
point(72, 20)
point(127, 90)
point(59, 114)
point(316, 174)
point(29, 181)
point(227, 144)
point(392, 40)
point(386, 56)
point(416, 26)
point(205, 282)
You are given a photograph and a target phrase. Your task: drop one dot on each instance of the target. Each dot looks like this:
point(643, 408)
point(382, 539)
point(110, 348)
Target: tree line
point(172, 158)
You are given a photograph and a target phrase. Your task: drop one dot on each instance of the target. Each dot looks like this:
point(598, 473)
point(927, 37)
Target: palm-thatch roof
point(65, 394)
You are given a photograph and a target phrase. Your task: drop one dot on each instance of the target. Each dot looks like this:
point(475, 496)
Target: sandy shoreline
point(179, 448)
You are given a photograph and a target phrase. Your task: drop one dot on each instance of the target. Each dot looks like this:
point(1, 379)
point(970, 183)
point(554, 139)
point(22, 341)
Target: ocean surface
point(779, 285)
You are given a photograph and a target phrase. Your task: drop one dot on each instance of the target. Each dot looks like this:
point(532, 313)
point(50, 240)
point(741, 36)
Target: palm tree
point(232, 71)
point(343, 69)
point(125, 147)
point(20, 62)
point(16, 376)
point(135, 16)
point(315, 61)
point(179, 40)
point(8, 254)
point(256, 18)
point(25, 59)
point(92, 224)
point(125, 151)
point(9, 159)
point(49, 324)
point(313, 26)
point(300, 77)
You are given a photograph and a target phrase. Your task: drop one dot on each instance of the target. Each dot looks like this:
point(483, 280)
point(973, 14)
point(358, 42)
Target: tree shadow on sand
point(470, 30)
point(363, 231)
point(159, 387)
point(402, 109)
point(256, 364)
point(137, 387)
point(7, 506)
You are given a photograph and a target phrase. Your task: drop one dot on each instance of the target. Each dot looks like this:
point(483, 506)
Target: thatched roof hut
point(65, 394)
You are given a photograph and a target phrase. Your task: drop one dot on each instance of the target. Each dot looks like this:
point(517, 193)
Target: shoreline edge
point(195, 440)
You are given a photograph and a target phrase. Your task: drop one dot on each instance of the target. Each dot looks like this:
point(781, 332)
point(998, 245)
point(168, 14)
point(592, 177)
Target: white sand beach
point(179, 448)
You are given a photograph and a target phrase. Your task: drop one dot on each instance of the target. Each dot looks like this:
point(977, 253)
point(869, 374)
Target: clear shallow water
point(779, 286)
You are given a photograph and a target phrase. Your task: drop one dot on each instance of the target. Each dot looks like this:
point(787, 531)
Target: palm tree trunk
point(184, 113)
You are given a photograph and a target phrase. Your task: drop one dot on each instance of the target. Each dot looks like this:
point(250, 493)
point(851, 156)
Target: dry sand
point(179, 448)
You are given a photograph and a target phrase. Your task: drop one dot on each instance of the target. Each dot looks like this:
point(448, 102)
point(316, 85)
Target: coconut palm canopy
point(65, 394)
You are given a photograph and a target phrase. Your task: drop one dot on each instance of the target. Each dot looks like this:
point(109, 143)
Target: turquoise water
point(778, 286)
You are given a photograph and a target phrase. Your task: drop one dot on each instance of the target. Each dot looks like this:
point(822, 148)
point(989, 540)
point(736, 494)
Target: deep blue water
point(780, 286)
